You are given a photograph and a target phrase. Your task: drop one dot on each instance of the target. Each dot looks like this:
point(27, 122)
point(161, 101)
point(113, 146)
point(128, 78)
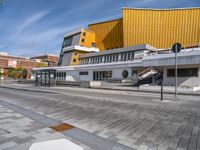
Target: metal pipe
point(176, 72)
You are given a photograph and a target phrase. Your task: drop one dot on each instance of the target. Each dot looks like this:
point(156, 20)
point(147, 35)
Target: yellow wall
point(161, 28)
point(89, 38)
point(108, 34)
point(76, 55)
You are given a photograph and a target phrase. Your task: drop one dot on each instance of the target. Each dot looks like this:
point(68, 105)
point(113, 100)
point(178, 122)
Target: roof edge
point(105, 21)
point(161, 9)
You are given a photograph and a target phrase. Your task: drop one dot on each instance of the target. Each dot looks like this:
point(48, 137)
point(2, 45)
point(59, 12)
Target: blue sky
point(34, 27)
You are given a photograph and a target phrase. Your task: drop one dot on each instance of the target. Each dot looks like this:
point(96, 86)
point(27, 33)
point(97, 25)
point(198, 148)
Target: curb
point(33, 90)
point(148, 91)
point(133, 90)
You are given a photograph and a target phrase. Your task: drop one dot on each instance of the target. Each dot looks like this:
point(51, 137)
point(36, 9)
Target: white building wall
point(117, 73)
point(88, 77)
point(182, 81)
point(72, 75)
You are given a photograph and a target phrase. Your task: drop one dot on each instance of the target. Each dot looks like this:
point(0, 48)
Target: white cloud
point(29, 22)
point(33, 19)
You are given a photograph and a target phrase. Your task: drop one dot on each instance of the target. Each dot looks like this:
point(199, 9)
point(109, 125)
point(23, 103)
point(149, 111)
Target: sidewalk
point(148, 89)
point(127, 87)
point(110, 88)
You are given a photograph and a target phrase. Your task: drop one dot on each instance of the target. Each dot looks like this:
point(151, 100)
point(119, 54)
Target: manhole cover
point(3, 131)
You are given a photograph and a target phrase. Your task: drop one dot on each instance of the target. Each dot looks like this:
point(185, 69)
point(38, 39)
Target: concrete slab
point(59, 144)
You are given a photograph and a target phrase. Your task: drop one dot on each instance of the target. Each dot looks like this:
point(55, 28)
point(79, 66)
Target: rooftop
point(118, 50)
point(44, 55)
point(76, 31)
point(186, 8)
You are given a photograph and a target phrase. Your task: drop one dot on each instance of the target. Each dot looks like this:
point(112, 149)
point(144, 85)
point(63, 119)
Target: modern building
point(76, 43)
point(135, 47)
point(160, 28)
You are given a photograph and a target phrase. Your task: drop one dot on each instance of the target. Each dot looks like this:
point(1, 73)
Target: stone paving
point(138, 122)
point(18, 132)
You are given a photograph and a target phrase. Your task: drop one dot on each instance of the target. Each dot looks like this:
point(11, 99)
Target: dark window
point(102, 75)
point(125, 74)
point(84, 33)
point(83, 40)
point(185, 72)
point(67, 41)
point(74, 60)
point(93, 44)
point(83, 73)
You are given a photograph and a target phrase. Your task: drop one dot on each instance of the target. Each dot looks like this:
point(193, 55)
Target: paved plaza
point(102, 119)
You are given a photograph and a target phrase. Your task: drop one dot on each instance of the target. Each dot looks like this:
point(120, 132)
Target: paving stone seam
point(86, 137)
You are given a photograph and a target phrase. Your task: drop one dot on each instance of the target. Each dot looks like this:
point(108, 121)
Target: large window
point(61, 76)
point(67, 41)
point(102, 75)
point(115, 57)
point(183, 72)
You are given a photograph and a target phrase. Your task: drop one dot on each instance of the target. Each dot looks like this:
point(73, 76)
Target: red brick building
point(52, 60)
point(8, 62)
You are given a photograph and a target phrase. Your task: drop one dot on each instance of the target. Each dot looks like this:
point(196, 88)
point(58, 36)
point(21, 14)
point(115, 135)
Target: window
point(83, 40)
point(84, 33)
point(61, 76)
point(67, 41)
point(74, 60)
point(102, 75)
point(129, 55)
point(83, 73)
point(184, 72)
point(93, 44)
point(125, 74)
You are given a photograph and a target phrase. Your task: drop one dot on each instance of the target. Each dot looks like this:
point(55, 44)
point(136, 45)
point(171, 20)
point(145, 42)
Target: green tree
point(18, 72)
point(41, 65)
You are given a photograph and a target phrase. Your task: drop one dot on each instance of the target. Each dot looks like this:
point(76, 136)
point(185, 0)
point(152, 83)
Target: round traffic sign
point(176, 48)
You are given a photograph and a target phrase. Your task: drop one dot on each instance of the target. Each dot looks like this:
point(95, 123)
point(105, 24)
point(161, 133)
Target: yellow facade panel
point(76, 55)
point(87, 38)
point(108, 34)
point(161, 28)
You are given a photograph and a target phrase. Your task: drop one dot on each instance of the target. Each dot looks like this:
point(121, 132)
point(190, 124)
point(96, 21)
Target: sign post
point(176, 49)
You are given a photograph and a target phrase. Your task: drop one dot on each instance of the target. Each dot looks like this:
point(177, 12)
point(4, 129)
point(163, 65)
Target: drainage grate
point(3, 132)
point(62, 127)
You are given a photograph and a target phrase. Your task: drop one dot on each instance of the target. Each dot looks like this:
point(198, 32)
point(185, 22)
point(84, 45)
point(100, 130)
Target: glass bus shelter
point(45, 77)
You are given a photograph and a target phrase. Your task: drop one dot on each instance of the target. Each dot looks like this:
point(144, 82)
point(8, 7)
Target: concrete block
point(88, 84)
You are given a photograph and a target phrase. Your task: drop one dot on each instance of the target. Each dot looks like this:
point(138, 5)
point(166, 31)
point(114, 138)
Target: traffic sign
point(176, 47)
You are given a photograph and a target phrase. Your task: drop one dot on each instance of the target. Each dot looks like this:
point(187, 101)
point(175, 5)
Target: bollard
point(161, 96)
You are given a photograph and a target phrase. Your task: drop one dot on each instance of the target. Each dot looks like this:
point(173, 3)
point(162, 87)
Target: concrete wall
point(182, 81)
point(117, 74)
point(72, 75)
point(88, 77)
